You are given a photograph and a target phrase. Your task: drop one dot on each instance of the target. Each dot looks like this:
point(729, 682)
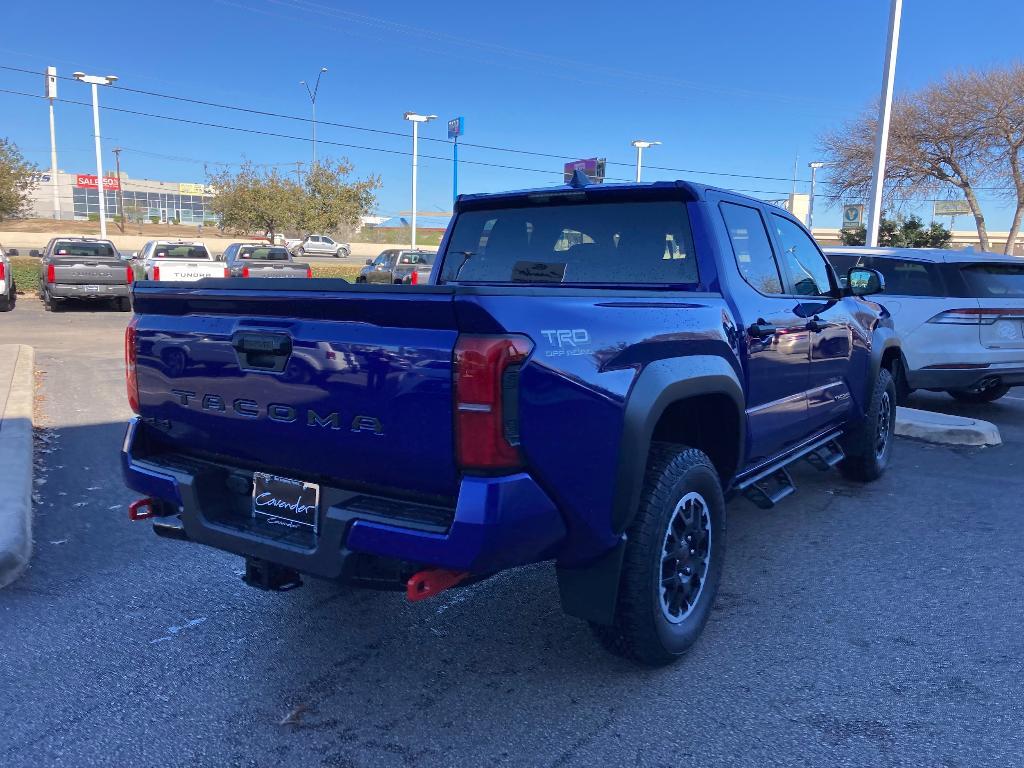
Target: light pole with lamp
point(641, 145)
point(95, 80)
point(415, 119)
point(810, 206)
point(312, 100)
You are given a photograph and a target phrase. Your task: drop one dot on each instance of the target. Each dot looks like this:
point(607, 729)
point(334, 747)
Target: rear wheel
point(868, 446)
point(673, 559)
point(6, 303)
point(989, 395)
point(341, 253)
point(51, 304)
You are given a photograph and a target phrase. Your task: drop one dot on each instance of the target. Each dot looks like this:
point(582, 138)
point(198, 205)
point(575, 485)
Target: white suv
point(959, 315)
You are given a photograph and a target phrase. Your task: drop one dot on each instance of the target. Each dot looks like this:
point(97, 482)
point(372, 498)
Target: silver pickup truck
point(83, 268)
point(262, 260)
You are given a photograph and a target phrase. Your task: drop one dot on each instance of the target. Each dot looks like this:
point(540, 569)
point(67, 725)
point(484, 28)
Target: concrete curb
point(946, 429)
point(17, 387)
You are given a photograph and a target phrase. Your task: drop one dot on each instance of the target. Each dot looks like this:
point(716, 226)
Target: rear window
point(417, 258)
point(994, 280)
point(642, 242)
point(262, 253)
point(192, 252)
point(94, 250)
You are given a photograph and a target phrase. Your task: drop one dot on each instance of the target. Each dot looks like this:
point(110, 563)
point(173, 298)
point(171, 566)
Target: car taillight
point(309, 270)
point(156, 272)
point(51, 274)
point(227, 272)
point(3, 272)
point(487, 401)
point(245, 271)
point(129, 274)
point(414, 278)
point(974, 316)
point(130, 361)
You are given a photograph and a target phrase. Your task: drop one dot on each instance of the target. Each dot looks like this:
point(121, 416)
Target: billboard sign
point(191, 189)
point(853, 216)
point(950, 208)
point(592, 166)
point(456, 127)
point(87, 181)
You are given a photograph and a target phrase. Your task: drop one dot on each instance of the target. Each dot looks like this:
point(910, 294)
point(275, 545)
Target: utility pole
point(312, 99)
point(298, 170)
point(120, 193)
point(51, 94)
point(884, 115)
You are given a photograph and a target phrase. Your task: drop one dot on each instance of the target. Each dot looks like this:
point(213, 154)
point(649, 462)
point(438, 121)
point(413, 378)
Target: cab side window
point(808, 271)
point(752, 248)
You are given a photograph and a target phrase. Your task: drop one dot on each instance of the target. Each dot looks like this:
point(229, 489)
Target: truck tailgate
point(351, 387)
point(276, 270)
point(78, 271)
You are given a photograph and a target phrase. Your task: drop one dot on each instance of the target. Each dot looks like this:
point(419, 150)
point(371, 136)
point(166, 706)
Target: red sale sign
point(86, 181)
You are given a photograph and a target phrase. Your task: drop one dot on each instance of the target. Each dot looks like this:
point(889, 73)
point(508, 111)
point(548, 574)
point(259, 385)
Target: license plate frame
point(286, 502)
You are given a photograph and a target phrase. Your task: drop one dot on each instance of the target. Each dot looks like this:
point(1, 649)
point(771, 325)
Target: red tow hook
point(141, 509)
point(429, 583)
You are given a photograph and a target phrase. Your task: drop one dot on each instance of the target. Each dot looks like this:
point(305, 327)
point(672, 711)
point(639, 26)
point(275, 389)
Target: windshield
point(574, 242)
point(184, 251)
point(417, 258)
point(95, 250)
point(994, 280)
point(262, 253)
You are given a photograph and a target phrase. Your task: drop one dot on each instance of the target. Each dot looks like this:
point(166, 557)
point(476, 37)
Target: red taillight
point(3, 273)
point(156, 272)
point(51, 274)
point(414, 278)
point(130, 360)
point(974, 316)
point(129, 274)
point(309, 270)
point(245, 271)
point(487, 400)
point(227, 272)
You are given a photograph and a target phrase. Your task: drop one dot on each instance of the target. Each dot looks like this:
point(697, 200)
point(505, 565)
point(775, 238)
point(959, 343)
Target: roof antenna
point(579, 180)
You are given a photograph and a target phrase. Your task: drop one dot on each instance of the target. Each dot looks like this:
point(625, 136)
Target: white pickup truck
point(176, 260)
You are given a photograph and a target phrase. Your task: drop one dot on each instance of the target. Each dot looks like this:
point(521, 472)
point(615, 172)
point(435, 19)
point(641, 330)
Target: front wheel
point(673, 559)
point(979, 397)
point(868, 446)
point(300, 252)
point(341, 253)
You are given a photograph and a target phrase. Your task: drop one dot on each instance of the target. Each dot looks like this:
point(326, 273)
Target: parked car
point(84, 268)
point(8, 290)
point(589, 404)
point(396, 266)
point(959, 315)
point(319, 245)
point(177, 261)
point(262, 260)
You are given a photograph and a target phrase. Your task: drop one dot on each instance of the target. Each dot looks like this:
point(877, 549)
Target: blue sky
point(733, 86)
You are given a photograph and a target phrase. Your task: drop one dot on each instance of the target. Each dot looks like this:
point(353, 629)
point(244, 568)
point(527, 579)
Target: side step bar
point(771, 485)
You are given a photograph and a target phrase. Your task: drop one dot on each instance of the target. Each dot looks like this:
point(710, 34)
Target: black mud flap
point(591, 592)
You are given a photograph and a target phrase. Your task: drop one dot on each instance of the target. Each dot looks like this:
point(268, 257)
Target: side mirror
point(369, 262)
point(861, 281)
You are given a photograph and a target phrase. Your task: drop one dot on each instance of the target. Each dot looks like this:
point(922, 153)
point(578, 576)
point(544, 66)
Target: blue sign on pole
point(456, 127)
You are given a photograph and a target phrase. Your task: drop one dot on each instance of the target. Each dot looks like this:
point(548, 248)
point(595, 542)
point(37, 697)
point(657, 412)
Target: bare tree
point(935, 141)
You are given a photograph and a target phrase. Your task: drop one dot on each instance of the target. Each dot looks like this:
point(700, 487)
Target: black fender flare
point(883, 339)
point(590, 591)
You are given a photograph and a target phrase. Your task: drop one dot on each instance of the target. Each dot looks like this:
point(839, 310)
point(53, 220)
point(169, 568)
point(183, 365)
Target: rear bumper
point(496, 523)
point(65, 291)
point(1011, 374)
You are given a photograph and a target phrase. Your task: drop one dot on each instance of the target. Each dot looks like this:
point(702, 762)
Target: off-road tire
point(865, 459)
point(641, 631)
point(989, 395)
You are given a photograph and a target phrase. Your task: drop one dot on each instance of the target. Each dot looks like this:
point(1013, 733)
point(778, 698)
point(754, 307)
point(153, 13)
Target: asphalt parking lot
point(861, 626)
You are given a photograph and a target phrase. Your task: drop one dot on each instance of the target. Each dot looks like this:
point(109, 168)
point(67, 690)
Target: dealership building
point(144, 200)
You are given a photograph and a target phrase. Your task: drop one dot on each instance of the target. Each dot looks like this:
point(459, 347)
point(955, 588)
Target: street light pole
point(51, 94)
point(415, 119)
point(95, 81)
point(810, 206)
point(884, 115)
point(120, 186)
point(312, 100)
point(641, 145)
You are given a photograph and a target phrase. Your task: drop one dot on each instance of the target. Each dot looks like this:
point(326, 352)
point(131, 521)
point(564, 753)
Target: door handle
point(762, 330)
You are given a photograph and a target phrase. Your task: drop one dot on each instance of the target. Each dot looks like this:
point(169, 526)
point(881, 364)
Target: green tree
point(902, 233)
point(15, 181)
point(254, 199)
point(333, 203)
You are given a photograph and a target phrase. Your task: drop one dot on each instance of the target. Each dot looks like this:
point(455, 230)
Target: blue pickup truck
point(590, 372)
